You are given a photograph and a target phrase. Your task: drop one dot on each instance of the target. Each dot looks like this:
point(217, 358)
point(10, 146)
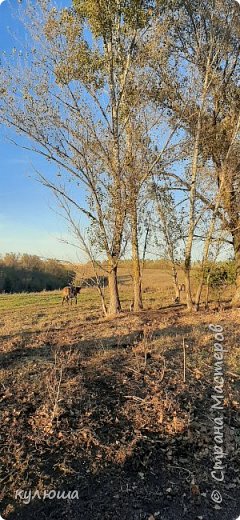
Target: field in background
point(34, 311)
point(100, 405)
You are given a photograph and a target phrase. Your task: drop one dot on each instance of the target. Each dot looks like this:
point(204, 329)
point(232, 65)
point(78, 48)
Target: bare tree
point(66, 95)
point(170, 227)
point(206, 37)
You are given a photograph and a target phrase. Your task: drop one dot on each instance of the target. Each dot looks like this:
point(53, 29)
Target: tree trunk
point(207, 246)
point(137, 286)
point(192, 201)
point(207, 292)
point(199, 291)
point(114, 300)
point(188, 287)
point(136, 269)
point(175, 283)
point(104, 308)
point(236, 245)
point(169, 241)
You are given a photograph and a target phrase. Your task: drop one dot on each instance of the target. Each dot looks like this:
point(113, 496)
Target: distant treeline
point(20, 273)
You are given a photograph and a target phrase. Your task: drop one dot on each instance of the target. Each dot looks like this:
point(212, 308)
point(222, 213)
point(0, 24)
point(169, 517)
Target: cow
point(69, 293)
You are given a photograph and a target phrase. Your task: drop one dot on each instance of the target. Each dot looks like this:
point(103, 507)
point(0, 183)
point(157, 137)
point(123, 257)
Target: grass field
point(100, 406)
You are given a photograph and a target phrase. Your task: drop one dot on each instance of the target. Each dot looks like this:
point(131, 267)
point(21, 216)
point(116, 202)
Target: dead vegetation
point(101, 406)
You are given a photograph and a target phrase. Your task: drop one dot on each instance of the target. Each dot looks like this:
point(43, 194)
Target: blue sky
point(28, 222)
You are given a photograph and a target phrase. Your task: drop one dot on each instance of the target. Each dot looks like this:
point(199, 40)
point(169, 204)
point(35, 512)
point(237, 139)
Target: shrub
point(222, 273)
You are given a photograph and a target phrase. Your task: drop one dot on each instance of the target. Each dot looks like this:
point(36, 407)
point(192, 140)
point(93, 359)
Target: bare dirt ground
point(100, 407)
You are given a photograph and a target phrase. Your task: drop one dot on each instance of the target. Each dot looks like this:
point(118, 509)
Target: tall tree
point(67, 94)
point(205, 37)
point(171, 227)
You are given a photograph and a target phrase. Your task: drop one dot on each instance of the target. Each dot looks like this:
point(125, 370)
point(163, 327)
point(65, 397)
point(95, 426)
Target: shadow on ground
point(130, 437)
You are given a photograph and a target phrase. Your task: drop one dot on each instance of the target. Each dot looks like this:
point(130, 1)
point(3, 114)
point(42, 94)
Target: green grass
point(19, 301)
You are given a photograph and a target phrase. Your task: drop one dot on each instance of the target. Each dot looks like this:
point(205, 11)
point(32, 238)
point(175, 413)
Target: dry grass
point(90, 400)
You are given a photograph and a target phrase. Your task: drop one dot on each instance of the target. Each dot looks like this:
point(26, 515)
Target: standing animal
point(69, 293)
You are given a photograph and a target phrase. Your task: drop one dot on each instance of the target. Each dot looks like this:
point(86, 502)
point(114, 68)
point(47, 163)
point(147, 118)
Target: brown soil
point(100, 407)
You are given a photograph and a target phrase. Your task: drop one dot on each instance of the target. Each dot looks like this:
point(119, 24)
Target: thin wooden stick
point(184, 361)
